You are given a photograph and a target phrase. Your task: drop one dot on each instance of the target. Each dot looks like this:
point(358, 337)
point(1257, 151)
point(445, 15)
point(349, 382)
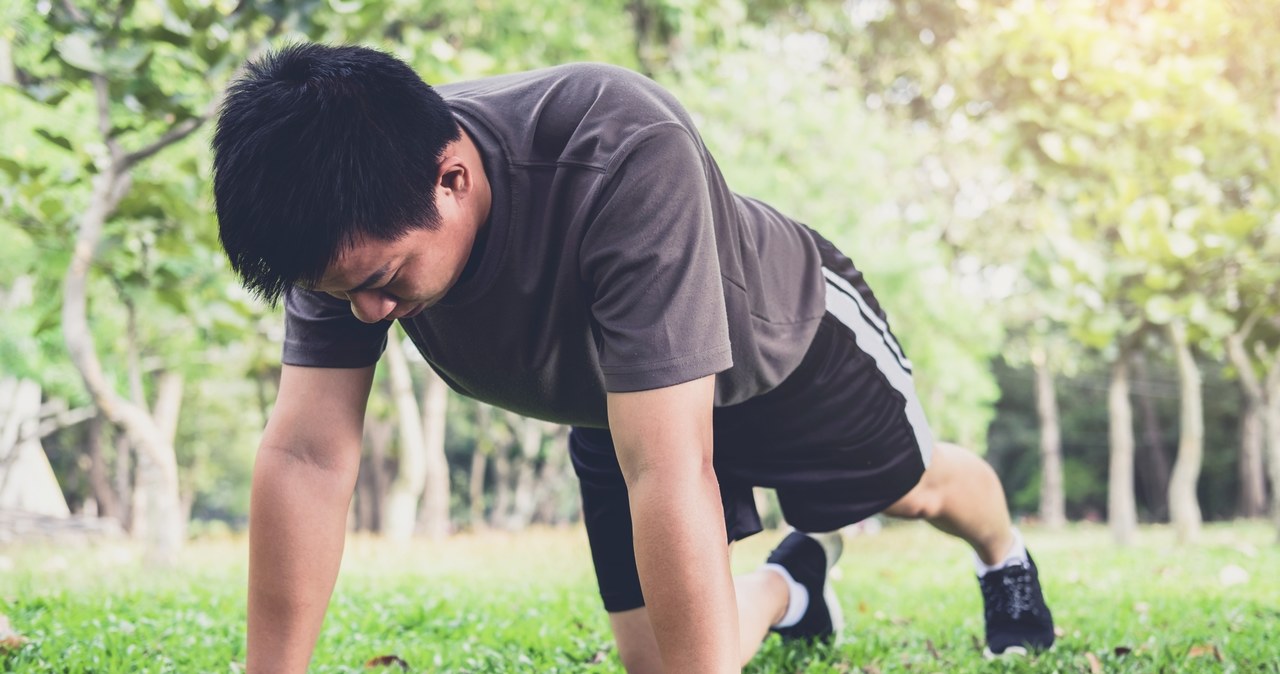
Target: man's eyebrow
point(373, 278)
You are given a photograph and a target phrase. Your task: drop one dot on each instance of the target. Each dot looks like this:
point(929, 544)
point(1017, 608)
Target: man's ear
point(454, 174)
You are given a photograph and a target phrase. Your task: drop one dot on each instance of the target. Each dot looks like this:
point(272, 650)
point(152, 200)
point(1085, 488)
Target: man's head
point(318, 149)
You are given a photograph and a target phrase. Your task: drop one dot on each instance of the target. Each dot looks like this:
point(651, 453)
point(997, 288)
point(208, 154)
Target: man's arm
point(302, 484)
point(663, 439)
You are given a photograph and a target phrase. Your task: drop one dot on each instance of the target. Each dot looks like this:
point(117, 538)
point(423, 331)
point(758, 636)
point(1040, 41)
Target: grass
point(527, 603)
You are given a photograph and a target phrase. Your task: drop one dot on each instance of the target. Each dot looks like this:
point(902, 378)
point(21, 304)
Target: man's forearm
point(297, 523)
point(683, 561)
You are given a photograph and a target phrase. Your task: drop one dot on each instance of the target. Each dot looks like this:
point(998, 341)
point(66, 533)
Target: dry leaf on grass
point(1122, 650)
point(1095, 665)
point(597, 658)
point(1205, 650)
point(870, 669)
point(386, 661)
point(9, 639)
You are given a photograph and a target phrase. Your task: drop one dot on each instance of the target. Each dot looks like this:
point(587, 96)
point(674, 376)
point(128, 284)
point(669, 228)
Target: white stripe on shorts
point(874, 318)
point(858, 317)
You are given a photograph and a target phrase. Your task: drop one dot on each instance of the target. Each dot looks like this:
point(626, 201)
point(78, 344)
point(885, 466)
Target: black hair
point(317, 146)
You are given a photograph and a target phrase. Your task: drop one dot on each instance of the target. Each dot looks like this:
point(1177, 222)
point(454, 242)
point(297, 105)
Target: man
point(561, 244)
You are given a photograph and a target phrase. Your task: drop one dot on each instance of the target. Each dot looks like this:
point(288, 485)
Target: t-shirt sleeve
point(649, 256)
point(321, 331)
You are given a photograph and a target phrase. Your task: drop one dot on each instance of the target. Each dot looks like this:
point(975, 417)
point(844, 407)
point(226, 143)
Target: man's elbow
point(689, 476)
point(323, 461)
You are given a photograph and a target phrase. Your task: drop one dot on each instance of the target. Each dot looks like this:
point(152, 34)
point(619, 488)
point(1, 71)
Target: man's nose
point(371, 306)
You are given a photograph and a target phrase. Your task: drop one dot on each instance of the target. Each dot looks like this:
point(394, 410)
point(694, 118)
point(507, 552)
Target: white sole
point(833, 607)
point(1012, 650)
point(832, 547)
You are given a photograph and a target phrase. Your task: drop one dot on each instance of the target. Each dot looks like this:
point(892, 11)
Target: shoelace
point(1009, 595)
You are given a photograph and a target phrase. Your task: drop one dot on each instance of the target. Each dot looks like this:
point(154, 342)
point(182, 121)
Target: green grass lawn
point(527, 603)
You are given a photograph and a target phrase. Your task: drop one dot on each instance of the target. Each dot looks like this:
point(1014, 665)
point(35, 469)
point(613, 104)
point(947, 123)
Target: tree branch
point(102, 93)
point(118, 16)
point(76, 15)
point(63, 419)
point(1247, 327)
point(175, 133)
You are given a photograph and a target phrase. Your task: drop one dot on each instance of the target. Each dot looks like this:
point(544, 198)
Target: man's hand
point(302, 485)
point(664, 441)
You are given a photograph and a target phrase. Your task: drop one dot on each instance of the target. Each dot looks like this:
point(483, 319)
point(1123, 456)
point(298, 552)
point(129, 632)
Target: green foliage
point(1135, 126)
point(807, 145)
point(1013, 177)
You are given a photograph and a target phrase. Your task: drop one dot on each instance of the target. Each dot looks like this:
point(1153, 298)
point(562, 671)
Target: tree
point(1154, 216)
point(126, 83)
point(401, 512)
point(433, 517)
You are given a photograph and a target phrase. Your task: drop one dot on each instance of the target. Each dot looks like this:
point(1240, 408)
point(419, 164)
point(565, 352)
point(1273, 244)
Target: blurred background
point(1069, 209)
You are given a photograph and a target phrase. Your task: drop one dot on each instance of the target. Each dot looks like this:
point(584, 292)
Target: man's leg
point(961, 495)
point(763, 595)
point(762, 600)
point(791, 589)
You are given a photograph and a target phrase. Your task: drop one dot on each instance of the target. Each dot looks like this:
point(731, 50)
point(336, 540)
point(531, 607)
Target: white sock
point(1017, 555)
point(797, 597)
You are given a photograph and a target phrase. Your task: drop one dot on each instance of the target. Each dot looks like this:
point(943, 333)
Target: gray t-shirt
point(615, 259)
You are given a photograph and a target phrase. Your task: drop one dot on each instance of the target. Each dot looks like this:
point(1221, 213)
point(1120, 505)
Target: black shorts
point(841, 439)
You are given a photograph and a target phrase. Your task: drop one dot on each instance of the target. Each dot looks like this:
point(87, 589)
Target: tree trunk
point(1273, 435)
point(501, 512)
point(1252, 469)
point(479, 460)
point(370, 483)
point(1122, 512)
point(17, 414)
point(402, 500)
point(168, 405)
point(109, 187)
point(1184, 505)
point(164, 534)
point(27, 481)
point(157, 500)
point(650, 34)
point(433, 520)
point(526, 477)
point(1253, 485)
point(99, 482)
point(1052, 497)
point(363, 501)
point(1153, 461)
point(553, 479)
point(123, 477)
point(380, 434)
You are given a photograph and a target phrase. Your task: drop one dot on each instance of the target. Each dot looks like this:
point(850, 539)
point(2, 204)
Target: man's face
point(386, 280)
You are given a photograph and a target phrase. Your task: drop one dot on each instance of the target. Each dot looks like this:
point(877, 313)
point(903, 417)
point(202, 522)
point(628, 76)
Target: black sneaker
point(808, 558)
point(1017, 618)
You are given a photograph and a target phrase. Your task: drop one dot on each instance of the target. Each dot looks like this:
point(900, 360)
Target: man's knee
point(927, 499)
point(924, 501)
point(953, 472)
